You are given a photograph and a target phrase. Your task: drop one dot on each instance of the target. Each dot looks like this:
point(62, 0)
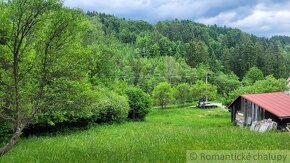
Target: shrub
point(66, 101)
point(102, 106)
point(111, 107)
point(139, 102)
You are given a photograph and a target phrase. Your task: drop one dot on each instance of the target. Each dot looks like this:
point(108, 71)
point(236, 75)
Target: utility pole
point(206, 97)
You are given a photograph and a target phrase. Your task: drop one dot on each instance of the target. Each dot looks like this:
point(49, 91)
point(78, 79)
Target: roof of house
point(277, 103)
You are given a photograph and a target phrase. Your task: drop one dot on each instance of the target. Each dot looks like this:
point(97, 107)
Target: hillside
point(222, 48)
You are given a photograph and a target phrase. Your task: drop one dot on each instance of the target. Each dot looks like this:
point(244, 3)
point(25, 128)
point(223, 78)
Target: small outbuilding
point(250, 108)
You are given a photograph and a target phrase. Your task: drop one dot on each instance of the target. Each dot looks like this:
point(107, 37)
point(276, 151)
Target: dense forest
point(221, 48)
point(184, 52)
point(61, 66)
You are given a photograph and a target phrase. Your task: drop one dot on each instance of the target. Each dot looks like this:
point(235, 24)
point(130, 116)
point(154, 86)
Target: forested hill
point(222, 48)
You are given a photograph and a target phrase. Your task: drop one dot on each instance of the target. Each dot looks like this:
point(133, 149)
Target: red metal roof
point(276, 103)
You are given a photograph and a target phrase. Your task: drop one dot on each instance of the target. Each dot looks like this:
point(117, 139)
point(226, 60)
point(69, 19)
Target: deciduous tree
point(200, 90)
point(183, 93)
point(254, 74)
point(42, 63)
point(163, 94)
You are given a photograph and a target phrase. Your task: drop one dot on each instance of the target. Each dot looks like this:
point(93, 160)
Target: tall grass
point(164, 136)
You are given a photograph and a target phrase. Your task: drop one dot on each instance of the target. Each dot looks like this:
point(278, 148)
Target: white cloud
point(115, 6)
point(222, 18)
point(159, 9)
point(187, 9)
point(261, 17)
point(264, 19)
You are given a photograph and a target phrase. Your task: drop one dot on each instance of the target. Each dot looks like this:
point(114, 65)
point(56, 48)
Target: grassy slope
point(165, 136)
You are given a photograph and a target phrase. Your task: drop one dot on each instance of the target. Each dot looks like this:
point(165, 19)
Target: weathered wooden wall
point(247, 110)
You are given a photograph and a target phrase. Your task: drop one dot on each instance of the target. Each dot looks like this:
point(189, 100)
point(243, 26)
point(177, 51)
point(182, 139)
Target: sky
point(263, 18)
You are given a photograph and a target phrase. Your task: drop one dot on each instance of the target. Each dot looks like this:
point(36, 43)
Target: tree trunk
point(12, 141)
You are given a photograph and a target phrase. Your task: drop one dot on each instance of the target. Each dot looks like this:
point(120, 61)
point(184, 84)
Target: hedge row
point(97, 106)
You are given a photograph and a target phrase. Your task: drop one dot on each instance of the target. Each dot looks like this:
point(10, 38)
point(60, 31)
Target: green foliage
point(226, 83)
point(183, 94)
point(110, 107)
point(201, 90)
point(104, 59)
point(245, 56)
point(51, 77)
point(5, 130)
point(224, 49)
point(43, 64)
point(119, 86)
point(253, 74)
point(269, 84)
point(66, 101)
point(163, 94)
point(197, 53)
point(140, 103)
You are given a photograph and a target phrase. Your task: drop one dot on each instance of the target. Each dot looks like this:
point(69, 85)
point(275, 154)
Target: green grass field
point(164, 136)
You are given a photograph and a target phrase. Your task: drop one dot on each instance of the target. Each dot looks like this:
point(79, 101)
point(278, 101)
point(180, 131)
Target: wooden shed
point(249, 108)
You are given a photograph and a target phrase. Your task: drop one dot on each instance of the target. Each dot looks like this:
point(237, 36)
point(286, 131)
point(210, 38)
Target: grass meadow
point(163, 137)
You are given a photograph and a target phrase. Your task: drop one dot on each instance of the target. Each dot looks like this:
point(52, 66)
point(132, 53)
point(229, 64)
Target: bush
point(102, 106)
point(111, 107)
point(66, 105)
point(66, 101)
point(139, 102)
point(5, 130)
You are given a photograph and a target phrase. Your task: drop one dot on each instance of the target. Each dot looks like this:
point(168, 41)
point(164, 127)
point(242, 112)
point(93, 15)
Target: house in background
point(250, 108)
